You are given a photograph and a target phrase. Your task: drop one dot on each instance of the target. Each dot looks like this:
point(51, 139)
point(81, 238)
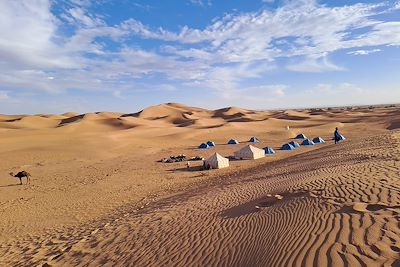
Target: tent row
point(317, 139)
point(306, 142)
point(252, 139)
point(216, 161)
point(209, 144)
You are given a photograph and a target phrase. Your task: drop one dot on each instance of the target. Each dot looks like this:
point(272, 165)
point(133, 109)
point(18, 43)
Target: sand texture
point(99, 197)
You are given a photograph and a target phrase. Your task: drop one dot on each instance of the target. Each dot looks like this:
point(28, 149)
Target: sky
point(103, 55)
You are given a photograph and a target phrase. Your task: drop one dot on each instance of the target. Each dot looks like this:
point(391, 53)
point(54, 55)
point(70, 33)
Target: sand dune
point(98, 195)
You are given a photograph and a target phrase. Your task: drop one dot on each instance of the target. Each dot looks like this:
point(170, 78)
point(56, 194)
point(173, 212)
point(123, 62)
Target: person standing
point(336, 135)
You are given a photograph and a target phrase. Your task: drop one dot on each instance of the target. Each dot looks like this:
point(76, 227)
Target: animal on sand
point(21, 175)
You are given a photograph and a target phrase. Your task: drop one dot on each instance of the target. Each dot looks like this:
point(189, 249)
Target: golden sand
point(98, 196)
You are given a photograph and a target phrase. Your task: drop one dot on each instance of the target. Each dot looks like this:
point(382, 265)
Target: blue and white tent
point(269, 150)
point(318, 140)
point(254, 139)
point(301, 136)
point(204, 146)
point(308, 142)
point(338, 136)
point(233, 142)
point(287, 147)
point(210, 143)
point(294, 144)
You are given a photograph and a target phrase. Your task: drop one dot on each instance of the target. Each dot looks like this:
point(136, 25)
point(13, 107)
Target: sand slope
point(340, 210)
point(99, 196)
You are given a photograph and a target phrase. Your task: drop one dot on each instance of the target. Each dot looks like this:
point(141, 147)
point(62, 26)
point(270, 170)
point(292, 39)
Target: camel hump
point(23, 173)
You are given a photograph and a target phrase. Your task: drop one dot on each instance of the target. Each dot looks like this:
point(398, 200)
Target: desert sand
point(99, 196)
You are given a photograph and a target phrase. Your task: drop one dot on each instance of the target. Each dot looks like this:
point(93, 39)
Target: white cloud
point(396, 5)
point(78, 15)
point(4, 95)
point(84, 3)
point(201, 2)
point(232, 49)
point(255, 97)
point(342, 88)
point(363, 52)
point(321, 64)
point(117, 94)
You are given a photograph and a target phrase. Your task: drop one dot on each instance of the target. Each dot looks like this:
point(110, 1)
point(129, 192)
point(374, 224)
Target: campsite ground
point(98, 194)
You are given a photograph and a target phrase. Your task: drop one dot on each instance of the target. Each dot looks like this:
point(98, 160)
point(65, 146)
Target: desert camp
point(199, 133)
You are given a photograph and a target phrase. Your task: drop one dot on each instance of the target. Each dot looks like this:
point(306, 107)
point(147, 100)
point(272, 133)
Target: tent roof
point(250, 148)
point(307, 142)
point(204, 145)
point(318, 140)
point(294, 144)
point(288, 147)
point(216, 157)
point(301, 136)
point(269, 149)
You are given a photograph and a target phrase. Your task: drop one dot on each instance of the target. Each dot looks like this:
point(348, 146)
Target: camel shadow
point(9, 185)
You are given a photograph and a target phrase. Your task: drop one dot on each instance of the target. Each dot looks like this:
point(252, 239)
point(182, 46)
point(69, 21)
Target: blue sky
point(102, 55)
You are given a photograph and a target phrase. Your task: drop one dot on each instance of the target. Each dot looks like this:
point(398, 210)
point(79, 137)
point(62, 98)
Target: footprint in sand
point(368, 207)
point(268, 201)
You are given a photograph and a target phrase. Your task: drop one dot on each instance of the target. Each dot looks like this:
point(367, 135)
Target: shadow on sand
point(9, 185)
point(186, 169)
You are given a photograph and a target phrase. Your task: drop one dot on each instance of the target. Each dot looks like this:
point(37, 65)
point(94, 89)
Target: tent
point(249, 152)
point(308, 142)
point(269, 150)
point(254, 139)
point(233, 142)
point(294, 144)
point(341, 137)
point(287, 147)
point(318, 140)
point(301, 136)
point(217, 161)
point(203, 146)
point(210, 143)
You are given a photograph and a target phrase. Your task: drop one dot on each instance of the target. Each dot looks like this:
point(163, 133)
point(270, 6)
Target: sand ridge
point(331, 214)
point(98, 188)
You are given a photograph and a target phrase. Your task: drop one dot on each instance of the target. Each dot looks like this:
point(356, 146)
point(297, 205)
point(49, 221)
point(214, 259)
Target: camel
point(20, 175)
